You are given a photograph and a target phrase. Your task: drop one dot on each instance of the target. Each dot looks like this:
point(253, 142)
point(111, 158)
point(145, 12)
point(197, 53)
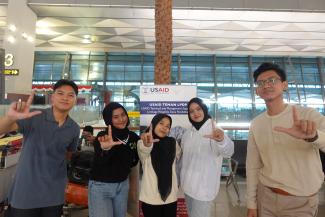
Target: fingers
point(282, 129)
point(30, 98)
point(109, 130)
point(34, 113)
point(20, 105)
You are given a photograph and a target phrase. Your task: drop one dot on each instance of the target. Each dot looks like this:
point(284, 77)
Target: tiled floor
point(227, 204)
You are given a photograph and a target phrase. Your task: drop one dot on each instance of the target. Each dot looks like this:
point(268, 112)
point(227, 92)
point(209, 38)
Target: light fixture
point(86, 36)
point(11, 39)
point(12, 27)
point(86, 41)
point(30, 39)
point(24, 35)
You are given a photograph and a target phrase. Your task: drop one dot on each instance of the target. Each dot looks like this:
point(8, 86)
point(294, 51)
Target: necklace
point(124, 141)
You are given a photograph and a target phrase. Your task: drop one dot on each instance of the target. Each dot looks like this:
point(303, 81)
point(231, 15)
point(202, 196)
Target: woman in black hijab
point(115, 155)
point(158, 153)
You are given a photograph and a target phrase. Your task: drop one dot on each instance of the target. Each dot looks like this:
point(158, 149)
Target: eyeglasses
point(270, 81)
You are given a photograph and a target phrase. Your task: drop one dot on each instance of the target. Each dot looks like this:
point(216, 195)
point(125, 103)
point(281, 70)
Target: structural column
point(19, 45)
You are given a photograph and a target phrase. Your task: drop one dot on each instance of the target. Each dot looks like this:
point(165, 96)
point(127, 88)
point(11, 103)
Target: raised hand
point(301, 129)
point(217, 134)
point(20, 110)
point(147, 138)
point(106, 141)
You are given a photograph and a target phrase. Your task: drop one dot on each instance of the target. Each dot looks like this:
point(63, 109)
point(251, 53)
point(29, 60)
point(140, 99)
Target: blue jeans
point(108, 199)
point(198, 208)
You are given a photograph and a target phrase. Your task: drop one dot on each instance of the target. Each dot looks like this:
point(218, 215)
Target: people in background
point(87, 137)
point(115, 155)
point(283, 167)
point(158, 153)
point(204, 146)
point(49, 136)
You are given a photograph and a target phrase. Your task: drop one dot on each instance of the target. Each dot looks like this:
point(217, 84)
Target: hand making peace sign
point(217, 134)
point(106, 141)
point(147, 138)
point(20, 110)
point(301, 129)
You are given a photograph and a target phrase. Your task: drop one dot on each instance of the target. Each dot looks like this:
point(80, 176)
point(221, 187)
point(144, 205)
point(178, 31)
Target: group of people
point(284, 171)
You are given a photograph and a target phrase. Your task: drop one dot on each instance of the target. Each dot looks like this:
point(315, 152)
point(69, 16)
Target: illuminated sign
point(11, 72)
point(9, 59)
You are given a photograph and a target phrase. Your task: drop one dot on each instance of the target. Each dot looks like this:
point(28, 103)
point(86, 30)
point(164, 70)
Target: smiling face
point(270, 86)
point(119, 118)
point(196, 112)
point(64, 98)
point(162, 128)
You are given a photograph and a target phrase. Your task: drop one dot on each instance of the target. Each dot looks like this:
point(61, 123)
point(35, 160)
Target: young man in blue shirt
point(49, 135)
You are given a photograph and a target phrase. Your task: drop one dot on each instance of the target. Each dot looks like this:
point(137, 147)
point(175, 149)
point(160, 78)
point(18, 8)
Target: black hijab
point(162, 158)
point(203, 106)
point(108, 115)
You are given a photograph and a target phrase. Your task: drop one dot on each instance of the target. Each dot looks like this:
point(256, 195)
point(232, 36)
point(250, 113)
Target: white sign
point(169, 99)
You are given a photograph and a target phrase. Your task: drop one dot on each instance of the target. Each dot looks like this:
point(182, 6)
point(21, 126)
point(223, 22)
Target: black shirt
point(114, 165)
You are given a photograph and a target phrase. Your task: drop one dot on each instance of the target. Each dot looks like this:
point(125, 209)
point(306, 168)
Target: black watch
point(312, 139)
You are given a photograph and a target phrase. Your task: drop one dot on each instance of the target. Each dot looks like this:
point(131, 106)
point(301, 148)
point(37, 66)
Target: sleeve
point(24, 126)
point(253, 165)
point(96, 143)
point(178, 151)
point(320, 124)
point(75, 141)
point(224, 148)
point(143, 151)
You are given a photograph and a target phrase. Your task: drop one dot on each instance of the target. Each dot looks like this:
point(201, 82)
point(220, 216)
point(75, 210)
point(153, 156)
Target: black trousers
point(50, 211)
point(166, 210)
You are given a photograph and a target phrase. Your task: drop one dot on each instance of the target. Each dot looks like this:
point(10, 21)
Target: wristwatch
point(312, 139)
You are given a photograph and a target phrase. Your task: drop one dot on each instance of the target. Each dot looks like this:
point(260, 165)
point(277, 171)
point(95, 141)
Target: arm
point(178, 151)
point(224, 148)
point(7, 125)
point(143, 150)
point(253, 166)
point(17, 111)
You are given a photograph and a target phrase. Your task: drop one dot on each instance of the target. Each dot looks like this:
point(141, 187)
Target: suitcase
point(76, 194)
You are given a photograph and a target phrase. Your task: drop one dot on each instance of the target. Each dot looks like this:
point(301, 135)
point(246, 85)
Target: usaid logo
point(158, 90)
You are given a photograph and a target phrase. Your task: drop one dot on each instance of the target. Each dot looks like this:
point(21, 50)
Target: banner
point(172, 100)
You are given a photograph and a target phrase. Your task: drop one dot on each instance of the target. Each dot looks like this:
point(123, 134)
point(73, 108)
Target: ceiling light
point(12, 28)
point(86, 36)
point(30, 39)
point(11, 39)
point(24, 35)
point(86, 41)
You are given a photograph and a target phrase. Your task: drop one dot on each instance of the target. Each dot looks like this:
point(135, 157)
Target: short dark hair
point(270, 66)
point(63, 82)
point(89, 129)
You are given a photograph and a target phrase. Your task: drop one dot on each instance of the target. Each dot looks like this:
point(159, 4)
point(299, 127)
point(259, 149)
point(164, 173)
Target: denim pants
point(108, 199)
point(198, 208)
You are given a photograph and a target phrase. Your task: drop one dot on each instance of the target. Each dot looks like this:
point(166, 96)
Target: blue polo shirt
point(41, 174)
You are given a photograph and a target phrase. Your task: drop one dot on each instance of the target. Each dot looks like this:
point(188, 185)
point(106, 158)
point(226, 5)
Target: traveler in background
point(204, 146)
point(115, 155)
point(87, 138)
point(283, 167)
point(158, 153)
point(49, 136)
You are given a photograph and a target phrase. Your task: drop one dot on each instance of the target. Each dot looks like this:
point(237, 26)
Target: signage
point(11, 72)
point(9, 60)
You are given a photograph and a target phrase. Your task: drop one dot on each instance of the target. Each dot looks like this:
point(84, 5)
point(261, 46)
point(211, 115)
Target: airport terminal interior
point(108, 48)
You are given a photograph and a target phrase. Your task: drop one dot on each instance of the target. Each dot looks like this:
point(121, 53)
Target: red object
point(46, 87)
point(76, 194)
point(181, 208)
